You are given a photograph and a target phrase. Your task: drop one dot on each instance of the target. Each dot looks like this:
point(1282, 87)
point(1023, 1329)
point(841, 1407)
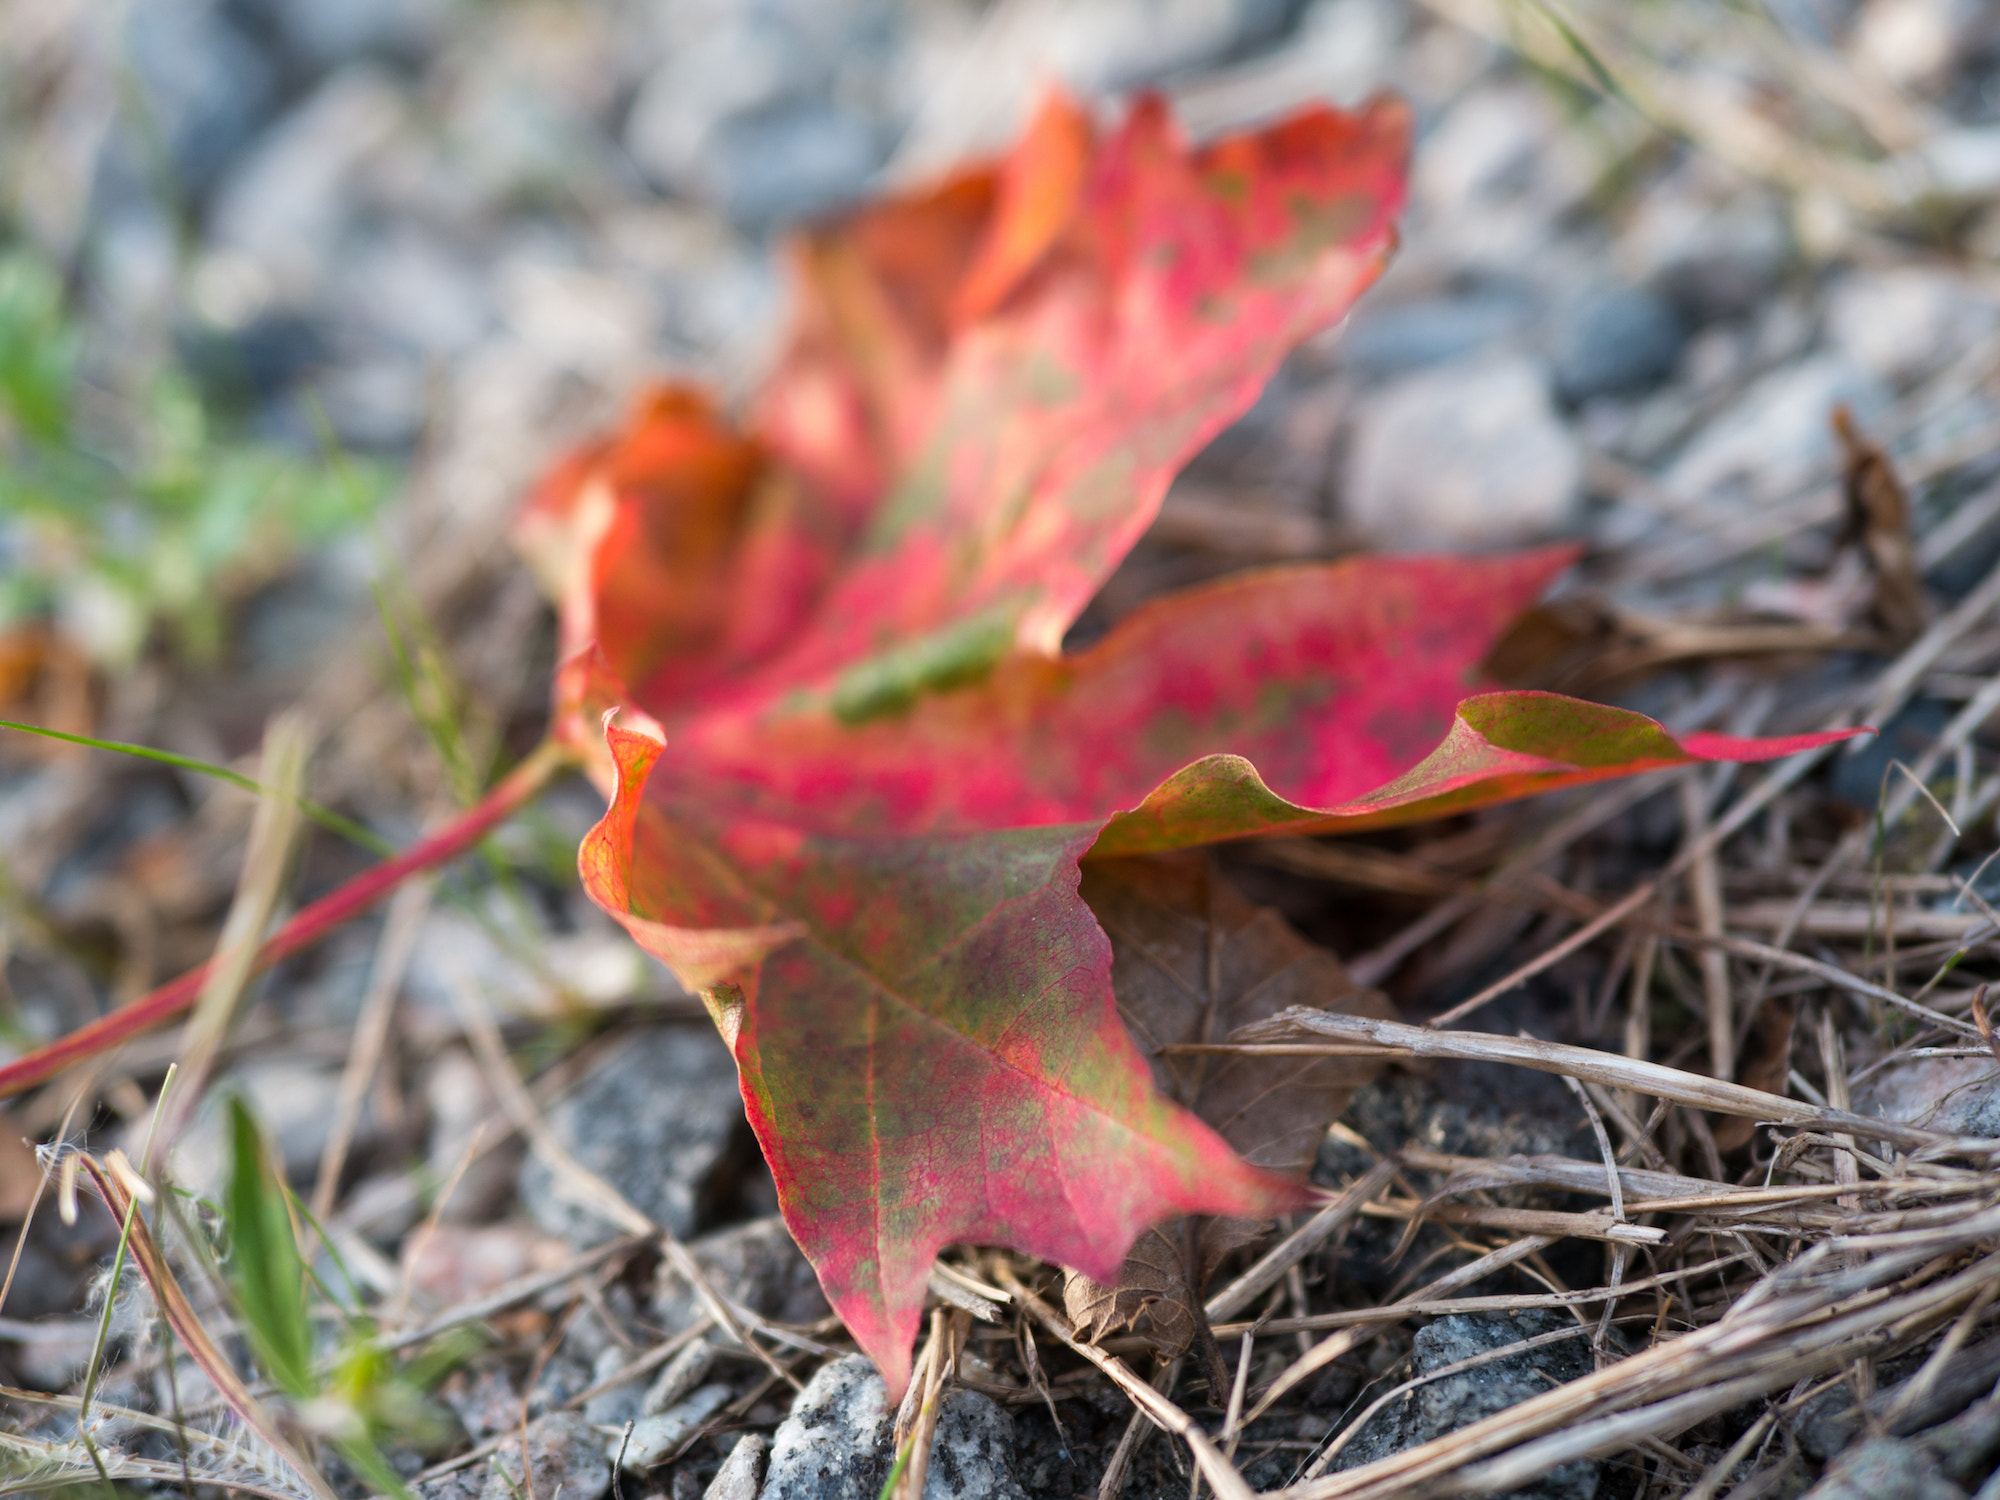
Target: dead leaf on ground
point(1151, 1298)
point(1878, 522)
point(1585, 643)
point(1766, 1065)
point(1191, 962)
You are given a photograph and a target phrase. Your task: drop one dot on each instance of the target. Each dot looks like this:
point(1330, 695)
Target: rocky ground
point(411, 248)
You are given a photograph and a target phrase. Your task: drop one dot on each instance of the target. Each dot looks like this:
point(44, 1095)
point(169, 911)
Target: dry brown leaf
point(1191, 962)
point(1878, 520)
point(1767, 1063)
point(1151, 1298)
point(1584, 643)
point(20, 1173)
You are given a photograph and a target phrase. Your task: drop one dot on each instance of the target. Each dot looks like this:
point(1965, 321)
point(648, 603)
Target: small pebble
point(564, 1453)
point(656, 1438)
point(742, 1473)
point(1462, 457)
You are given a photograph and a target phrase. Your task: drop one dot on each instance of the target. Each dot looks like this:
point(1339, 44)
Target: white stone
point(1468, 456)
point(1907, 43)
point(1483, 148)
point(742, 1473)
point(654, 1439)
point(1908, 321)
point(1965, 162)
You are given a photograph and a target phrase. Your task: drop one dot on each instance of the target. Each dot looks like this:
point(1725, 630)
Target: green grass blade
point(264, 1260)
point(326, 817)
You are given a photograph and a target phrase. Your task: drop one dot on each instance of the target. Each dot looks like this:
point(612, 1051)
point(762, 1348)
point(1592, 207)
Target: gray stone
point(975, 85)
point(756, 1265)
point(1393, 340)
point(747, 62)
point(657, 1437)
point(1905, 322)
point(1966, 1447)
point(285, 206)
point(1965, 162)
point(564, 1452)
point(1611, 342)
point(618, 1405)
point(485, 1402)
point(742, 1473)
point(1956, 1095)
point(660, 1119)
point(1885, 1469)
point(1444, 1405)
point(1472, 456)
point(379, 405)
point(1863, 778)
point(835, 1445)
point(1729, 260)
point(682, 1374)
point(460, 1484)
point(771, 113)
point(1486, 147)
point(410, 290)
point(791, 163)
point(321, 35)
point(203, 84)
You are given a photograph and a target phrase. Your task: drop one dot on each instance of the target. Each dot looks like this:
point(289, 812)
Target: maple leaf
point(817, 667)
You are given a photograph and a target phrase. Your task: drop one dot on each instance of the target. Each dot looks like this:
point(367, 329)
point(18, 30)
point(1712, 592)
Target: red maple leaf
point(818, 667)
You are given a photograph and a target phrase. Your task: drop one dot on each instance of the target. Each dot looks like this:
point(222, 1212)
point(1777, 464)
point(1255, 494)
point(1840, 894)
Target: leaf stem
point(519, 787)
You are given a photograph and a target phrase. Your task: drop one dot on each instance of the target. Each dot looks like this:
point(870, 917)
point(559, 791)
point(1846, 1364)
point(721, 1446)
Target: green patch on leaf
point(955, 657)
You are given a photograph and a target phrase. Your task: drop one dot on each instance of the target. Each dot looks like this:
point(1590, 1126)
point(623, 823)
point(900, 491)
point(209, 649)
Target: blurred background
point(277, 272)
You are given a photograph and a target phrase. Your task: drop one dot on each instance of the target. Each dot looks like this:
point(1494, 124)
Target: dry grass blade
point(1327, 1350)
point(1591, 1066)
point(1436, 1307)
point(194, 1338)
point(1801, 1320)
point(1539, 1221)
point(49, 1466)
point(1216, 1469)
point(517, 1292)
point(1301, 1242)
point(1878, 701)
point(371, 1034)
point(1705, 886)
point(266, 860)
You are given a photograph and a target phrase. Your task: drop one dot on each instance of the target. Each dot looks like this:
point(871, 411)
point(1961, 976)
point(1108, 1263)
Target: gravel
point(658, 1118)
point(564, 1453)
point(1443, 1404)
point(835, 1445)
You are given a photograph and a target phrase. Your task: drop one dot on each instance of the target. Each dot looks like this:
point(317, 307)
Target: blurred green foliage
point(133, 510)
